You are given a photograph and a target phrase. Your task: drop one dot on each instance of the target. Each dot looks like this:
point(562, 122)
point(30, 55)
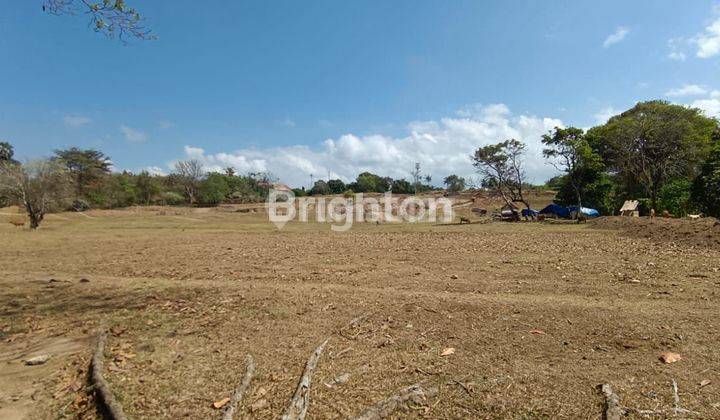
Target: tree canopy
point(653, 142)
point(369, 182)
point(84, 166)
point(454, 183)
point(706, 187)
point(6, 152)
point(501, 166)
point(569, 152)
point(336, 186)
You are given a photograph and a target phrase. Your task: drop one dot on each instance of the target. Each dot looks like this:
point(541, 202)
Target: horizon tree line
point(667, 155)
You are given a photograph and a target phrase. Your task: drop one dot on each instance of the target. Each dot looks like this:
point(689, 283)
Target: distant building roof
point(281, 187)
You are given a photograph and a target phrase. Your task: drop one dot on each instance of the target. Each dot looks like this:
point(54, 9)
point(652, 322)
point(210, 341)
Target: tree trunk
point(35, 218)
point(653, 198)
point(579, 203)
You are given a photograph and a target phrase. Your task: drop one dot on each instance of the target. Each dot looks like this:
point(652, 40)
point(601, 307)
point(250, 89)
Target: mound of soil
point(701, 232)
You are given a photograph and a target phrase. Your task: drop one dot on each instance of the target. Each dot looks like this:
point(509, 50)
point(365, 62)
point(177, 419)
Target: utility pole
point(416, 177)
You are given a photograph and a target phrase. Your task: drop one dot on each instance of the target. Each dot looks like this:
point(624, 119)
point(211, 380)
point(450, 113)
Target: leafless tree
point(111, 17)
point(501, 166)
point(190, 173)
point(39, 186)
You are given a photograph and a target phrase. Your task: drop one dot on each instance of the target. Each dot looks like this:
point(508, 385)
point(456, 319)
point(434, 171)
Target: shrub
point(706, 188)
point(171, 198)
point(598, 194)
point(336, 186)
point(675, 197)
point(214, 189)
point(79, 205)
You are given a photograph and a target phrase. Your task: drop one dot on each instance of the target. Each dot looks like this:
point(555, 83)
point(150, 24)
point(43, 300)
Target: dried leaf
point(704, 382)
point(670, 357)
point(448, 351)
point(221, 403)
point(536, 331)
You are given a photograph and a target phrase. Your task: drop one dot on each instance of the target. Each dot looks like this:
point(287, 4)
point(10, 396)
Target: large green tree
point(369, 182)
point(214, 189)
point(568, 151)
point(402, 186)
point(320, 188)
point(86, 167)
point(454, 183)
point(336, 186)
point(653, 142)
point(706, 187)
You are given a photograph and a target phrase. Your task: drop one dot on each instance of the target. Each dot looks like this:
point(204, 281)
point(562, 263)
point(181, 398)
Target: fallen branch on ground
point(301, 400)
point(102, 389)
point(415, 393)
point(613, 409)
point(678, 408)
point(237, 396)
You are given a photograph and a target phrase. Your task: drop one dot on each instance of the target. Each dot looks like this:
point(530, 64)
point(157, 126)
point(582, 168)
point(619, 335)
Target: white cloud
point(442, 147)
point(154, 170)
point(605, 114)
point(76, 120)
point(287, 122)
point(711, 105)
point(166, 125)
point(133, 135)
point(676, 46)
point(686, 90)
point(677, 56)
point(708, 42)
point(617, 36)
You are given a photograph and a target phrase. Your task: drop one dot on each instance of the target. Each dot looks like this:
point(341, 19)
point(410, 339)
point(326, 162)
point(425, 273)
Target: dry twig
point(415, 393)
point(678, 408)
point(301, 400)
point(237, 396)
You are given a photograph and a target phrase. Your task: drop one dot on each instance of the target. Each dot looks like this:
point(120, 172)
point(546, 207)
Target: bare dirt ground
point(538, 316)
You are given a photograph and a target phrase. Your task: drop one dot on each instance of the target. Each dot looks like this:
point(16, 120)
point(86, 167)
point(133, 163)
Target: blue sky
point(327, 87)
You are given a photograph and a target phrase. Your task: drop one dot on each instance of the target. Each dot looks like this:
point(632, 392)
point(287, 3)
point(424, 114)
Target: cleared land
point(538, 315)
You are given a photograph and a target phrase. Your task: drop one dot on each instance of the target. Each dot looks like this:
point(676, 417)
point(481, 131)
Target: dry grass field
point(538, 315)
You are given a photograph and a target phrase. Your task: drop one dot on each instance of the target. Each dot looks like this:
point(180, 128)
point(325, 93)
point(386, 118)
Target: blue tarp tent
point(587, 212)
point(557, 210)
point(529, 213)
point(566, 212)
